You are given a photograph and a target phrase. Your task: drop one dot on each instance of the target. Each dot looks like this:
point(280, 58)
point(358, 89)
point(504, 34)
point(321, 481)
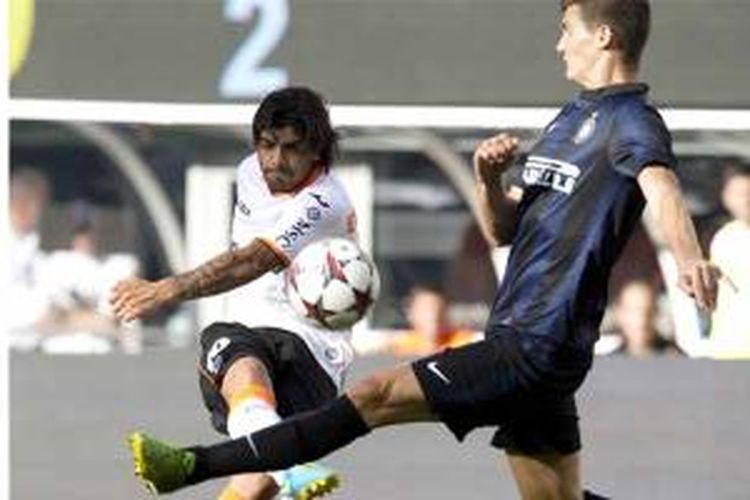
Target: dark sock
point(587, 495)
point(302, 438)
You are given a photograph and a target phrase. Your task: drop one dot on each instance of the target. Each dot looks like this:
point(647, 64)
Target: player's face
point(25, 210)
point(285, 158)
point(428, 314)
point(736, 197)
point(577, 46)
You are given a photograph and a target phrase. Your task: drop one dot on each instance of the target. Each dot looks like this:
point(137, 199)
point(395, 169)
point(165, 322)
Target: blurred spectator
point(638, 262)
point(730, 250)
point(430, 329)
point(27, 301)
point(55, 298)
point(635, 316)
point(78, 281)
point(470, 282)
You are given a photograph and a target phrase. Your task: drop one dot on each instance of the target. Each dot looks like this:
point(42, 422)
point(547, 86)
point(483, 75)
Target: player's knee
point(247, 367)
point(371, 395)
point(241, 374)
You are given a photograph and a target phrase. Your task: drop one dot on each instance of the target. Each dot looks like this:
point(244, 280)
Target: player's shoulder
point(248, 170)
point(249, 176)
point(636, 110)
point(640, 122)
point(248, 164)
point(328, 186)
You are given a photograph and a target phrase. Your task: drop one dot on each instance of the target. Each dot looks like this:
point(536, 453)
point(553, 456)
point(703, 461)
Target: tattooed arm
point(136, 298)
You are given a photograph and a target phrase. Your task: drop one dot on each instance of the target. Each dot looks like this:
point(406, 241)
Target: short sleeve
point(314, 214)
point(639, 138)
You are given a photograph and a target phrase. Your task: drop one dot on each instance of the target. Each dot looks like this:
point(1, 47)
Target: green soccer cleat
point(308, 481)
point(161, 466)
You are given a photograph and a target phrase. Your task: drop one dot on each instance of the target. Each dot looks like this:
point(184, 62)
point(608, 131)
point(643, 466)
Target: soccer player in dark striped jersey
point(604, 157)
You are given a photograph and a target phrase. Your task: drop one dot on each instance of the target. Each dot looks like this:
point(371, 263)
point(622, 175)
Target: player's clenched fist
point(494, 155)
point(135, 298)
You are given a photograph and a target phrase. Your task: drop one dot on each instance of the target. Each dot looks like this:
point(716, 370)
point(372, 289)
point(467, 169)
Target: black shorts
point(299, 382)
point(493, 383)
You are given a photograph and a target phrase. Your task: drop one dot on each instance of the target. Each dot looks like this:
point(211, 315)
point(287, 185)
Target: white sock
point(251, 415)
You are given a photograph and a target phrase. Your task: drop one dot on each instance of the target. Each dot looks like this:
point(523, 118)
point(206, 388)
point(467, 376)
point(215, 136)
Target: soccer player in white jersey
point(264, 363)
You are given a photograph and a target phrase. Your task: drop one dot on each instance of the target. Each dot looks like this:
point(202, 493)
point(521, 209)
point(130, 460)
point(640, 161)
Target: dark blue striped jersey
point(581, 201)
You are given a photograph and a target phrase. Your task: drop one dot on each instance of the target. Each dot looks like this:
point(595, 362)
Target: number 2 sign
point(243, 75)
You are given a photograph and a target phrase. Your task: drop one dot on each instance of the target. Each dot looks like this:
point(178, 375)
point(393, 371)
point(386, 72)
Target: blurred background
point(127, 118)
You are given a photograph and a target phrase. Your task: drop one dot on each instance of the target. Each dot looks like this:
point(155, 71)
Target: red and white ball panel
point(337, 296)
point(332, 283)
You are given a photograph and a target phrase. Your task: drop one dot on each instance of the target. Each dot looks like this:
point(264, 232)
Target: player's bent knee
point(242, 374)
point(248, 367)
point(370, 396)
point(390, 397)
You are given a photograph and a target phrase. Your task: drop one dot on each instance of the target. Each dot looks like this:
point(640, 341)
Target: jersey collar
point(614, 90)
point(315, 173)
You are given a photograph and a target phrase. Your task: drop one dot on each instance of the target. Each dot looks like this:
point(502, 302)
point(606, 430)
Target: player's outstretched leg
point(387, 398)
point(164, 468)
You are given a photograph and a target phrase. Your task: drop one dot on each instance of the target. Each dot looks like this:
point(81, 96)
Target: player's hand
point(494, 156)
point(136, 298)
point(700, 280)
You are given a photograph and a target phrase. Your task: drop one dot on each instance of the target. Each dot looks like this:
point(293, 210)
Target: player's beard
point(281, 179)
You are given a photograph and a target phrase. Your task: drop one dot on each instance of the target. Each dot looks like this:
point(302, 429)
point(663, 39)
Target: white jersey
point(287, 223)
point(730, 323)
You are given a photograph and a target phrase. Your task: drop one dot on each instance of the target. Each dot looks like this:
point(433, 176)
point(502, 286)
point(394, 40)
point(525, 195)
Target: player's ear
point(605, 37)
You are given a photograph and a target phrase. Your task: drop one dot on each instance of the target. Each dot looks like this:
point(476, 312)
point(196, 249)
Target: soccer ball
point(332, 283)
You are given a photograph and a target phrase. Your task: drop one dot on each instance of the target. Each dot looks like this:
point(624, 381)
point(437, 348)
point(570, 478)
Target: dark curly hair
point(305, 111)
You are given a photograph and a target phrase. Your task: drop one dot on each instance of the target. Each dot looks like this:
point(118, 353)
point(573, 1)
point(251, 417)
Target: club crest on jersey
point(586, 129)
point(548, 172)
point(333, 355)
point(313, 213)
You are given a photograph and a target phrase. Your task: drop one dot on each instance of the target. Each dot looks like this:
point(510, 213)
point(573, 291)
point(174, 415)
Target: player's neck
point(606, 72)
point(311, 176)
